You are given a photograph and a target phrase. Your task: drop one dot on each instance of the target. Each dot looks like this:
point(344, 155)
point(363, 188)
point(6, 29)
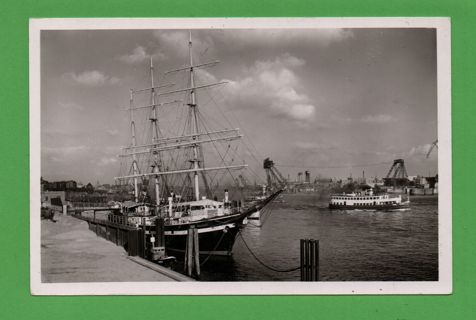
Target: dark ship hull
point(216, 236)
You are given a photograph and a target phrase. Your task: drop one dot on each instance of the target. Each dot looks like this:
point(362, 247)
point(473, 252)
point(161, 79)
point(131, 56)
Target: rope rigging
point(335, 167)
point(261, 262)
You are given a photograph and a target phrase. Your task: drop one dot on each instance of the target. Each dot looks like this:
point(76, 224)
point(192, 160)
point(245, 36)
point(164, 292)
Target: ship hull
point(256, 218)
point(216, 236)
point(217, 242)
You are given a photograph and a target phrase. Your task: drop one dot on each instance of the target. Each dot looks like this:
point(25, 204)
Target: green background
point(15, 300)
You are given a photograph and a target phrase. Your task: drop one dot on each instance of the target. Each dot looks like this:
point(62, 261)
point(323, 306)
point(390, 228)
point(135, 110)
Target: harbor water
point(354, 245)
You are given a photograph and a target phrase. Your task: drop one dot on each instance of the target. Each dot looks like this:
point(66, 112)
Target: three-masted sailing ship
point(173, 161)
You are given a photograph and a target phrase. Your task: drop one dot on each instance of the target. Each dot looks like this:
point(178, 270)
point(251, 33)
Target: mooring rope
point(261, 262)
point(216, 246)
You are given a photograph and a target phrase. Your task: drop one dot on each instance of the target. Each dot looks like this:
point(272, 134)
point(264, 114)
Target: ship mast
point(134, 143)
point(194, 139)
point(155, 134)
point(193, 110)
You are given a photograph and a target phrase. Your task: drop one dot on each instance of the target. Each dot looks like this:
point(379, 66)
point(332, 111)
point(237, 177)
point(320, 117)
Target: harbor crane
point(433, 145)
point(397, 175)
point(273, 176)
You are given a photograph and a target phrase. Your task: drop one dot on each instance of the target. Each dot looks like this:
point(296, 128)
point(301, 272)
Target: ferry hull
point(386, 207)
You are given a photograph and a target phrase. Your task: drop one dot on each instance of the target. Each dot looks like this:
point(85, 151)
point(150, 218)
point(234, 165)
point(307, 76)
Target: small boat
point(367, 201)
point(256, 216)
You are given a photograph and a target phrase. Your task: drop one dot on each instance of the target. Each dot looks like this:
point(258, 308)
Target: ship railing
point(120, 220)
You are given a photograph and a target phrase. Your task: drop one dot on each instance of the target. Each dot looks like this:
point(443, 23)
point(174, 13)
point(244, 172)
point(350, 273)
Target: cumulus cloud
point(204, 77)
point(273, 84)
point(177, 42)
point(420, 150)
point(91, 78)
point(315, 145)
point(323, 37)
point(378, 118)
point(113, 132)
point(139, 55)
point(105, 161)
point(302, 111)
point(284, 60)
point(68, 150)
point(64, 154)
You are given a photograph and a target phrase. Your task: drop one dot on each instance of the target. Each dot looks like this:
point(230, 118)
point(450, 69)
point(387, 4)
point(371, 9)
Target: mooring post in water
point(309, 260)
point(301, 247)
point(160, 232)
point(144, 238)
point(95, 222)
point(189, 250)
point(196, 250)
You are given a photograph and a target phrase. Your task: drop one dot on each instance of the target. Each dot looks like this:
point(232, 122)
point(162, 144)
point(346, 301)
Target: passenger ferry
point(367, 201)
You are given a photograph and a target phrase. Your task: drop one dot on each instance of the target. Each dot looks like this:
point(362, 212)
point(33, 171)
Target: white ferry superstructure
point(367, 201)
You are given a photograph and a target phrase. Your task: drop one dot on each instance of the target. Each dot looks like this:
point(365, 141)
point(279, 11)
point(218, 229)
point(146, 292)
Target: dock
point(71, 252)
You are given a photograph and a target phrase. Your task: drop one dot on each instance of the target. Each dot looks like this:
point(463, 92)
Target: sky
point(331, 101)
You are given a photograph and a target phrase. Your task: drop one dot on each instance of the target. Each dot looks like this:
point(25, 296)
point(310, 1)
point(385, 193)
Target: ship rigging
point(169, 158)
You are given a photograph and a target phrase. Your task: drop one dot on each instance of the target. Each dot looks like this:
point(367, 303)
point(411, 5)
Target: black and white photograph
point(240, 156)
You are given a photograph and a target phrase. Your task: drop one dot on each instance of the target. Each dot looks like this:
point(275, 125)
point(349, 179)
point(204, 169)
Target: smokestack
point(307, 176)
point(226, 195)
point(170, 206)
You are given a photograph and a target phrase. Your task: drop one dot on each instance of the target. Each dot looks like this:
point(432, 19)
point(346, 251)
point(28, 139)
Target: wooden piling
point(190, 251)
point(309, 252)
point(144, 239)
point(301, 247)
point(316, 255)
point(95, 222)
point(160, 236)
point(196, 250)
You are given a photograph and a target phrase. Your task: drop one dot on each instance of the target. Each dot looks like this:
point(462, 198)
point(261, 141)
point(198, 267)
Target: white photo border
point(442, 286)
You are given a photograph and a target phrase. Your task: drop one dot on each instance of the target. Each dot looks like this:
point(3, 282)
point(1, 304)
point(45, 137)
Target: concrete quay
point(70, 252)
